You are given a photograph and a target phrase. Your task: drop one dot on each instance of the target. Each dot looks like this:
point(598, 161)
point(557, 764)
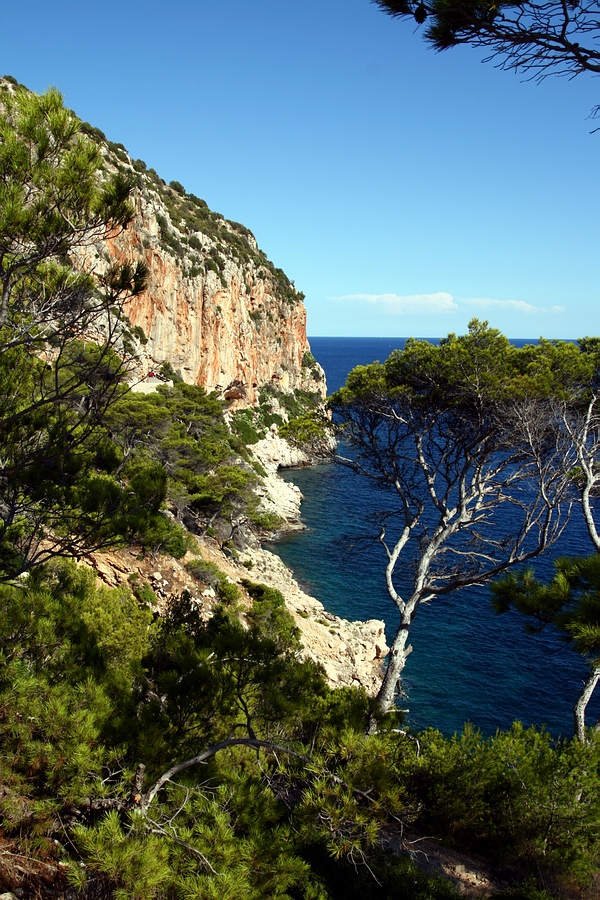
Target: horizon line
point(396, 337)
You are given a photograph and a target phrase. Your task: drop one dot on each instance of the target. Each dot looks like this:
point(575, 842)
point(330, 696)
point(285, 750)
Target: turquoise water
point(467, 664)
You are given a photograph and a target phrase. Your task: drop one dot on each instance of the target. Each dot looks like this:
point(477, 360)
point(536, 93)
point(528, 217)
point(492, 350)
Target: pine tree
point(570, 602)
point(59, 328)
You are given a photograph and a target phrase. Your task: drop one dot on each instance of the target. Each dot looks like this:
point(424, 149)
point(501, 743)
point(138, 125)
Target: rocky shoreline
point(276, 495)
point(351, 653)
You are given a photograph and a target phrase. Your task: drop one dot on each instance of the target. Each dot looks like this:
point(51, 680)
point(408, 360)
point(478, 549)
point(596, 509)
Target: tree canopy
point(467, 440)
point(61, 354)
point(537, 37)
point(182, 758)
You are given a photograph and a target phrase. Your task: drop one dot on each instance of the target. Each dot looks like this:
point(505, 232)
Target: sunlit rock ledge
point(278, 496)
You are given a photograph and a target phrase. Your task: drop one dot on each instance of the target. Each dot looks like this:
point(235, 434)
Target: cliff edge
point(216, 312)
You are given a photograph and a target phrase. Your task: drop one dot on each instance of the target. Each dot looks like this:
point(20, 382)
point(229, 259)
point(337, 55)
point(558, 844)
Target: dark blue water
point(468, 663)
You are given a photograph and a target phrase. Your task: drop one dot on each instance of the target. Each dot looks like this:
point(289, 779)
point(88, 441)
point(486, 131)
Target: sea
point(467, 664)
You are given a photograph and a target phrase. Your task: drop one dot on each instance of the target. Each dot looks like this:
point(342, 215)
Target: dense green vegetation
point(255, 772)
point(299, 418)
point(185, 756)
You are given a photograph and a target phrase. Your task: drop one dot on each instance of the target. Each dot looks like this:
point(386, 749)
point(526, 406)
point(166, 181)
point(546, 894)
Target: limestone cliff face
point(216, 309)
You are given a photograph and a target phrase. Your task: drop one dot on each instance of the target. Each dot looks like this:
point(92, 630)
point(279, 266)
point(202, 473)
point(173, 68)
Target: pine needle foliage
point(173, 758)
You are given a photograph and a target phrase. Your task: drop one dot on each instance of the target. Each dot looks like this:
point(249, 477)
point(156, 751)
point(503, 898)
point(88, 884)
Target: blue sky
point(403, 191)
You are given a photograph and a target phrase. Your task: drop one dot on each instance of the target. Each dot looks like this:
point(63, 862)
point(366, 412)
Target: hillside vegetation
point(183, 755)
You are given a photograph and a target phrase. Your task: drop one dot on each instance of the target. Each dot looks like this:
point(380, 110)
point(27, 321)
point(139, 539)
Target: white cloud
point(442, 302)
point(514, 305)
point(411, 303)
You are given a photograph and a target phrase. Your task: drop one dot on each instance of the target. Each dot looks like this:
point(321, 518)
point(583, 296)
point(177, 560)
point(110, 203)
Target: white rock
point(351, 653)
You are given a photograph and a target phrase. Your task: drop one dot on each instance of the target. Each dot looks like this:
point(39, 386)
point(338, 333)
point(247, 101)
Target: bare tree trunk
point(589, 518)
point(390, 687)
point(584, 699)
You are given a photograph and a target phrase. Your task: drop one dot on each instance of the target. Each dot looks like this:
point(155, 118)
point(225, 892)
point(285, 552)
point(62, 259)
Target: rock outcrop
point(351, 653)
point(216, 310)
point(218, 313)
point(276, 495)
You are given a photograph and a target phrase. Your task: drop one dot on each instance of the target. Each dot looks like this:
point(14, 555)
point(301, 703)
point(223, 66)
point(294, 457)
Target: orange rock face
point(230, 329)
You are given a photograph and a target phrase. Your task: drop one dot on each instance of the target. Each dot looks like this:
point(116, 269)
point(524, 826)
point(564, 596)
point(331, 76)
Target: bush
point(206, 572)
point(244, 425)
point(167, 370)
point(519, 797)
point(310, 431)
point(270, 615)
point(140, 334)
point(210, 574)
point(161, 535)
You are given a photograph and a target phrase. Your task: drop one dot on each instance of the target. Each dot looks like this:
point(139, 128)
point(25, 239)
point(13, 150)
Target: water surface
point(468, 663)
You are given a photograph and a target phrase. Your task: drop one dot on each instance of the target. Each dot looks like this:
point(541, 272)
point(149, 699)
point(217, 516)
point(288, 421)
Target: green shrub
point(310, 431)
point(266, 521)
point(228, 593)
point(520, 797)
point(268, 418)
point(167, 370)
point(142, 590)
point(270, 615)
point(140, 334)
point(204, 571)
point(70, 652)
point(119, 151)
point(208, 573)
point(161, 535)
point(244, 424)
point(93, 132)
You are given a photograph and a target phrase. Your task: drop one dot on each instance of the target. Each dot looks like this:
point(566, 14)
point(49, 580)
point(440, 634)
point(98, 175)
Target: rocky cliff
point(216, 310)
point(218, 313)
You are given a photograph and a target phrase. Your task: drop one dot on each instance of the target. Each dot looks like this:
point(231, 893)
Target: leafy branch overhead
point(537, 37)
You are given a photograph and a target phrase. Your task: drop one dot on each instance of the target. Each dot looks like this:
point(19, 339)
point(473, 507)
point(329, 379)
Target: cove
point(468, 664)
